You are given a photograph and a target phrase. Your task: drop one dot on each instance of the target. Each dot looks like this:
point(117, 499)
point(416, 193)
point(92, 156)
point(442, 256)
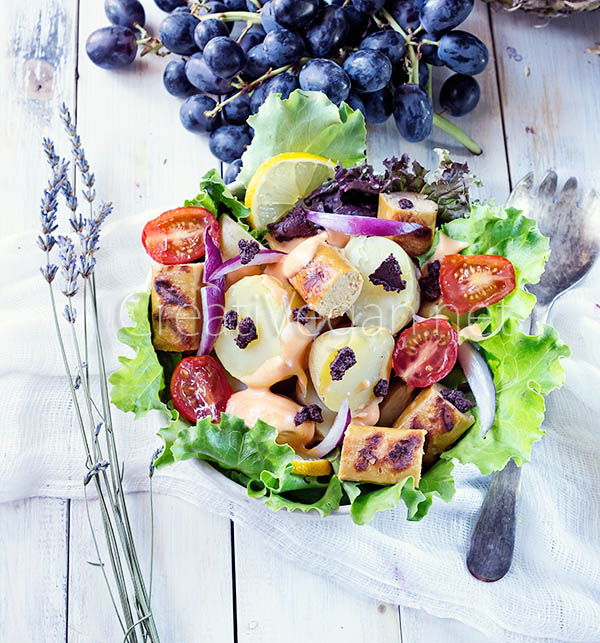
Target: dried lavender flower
point(94, 470)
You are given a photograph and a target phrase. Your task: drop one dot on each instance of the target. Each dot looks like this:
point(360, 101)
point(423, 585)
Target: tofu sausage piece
point(381, 455)
point(327, 282)
point(414, 208)
point(176, 308)
point(442, 421)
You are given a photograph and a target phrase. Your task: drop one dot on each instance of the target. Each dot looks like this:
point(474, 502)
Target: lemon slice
point(280, 181)
point(311, 467)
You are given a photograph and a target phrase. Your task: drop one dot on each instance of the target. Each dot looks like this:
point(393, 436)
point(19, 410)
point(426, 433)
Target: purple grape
point(283, 47)
point(439, 16)
point(125, 13)
point(257, 62)
point(170, 5)
point(413, 113)
point(235, 5)
point(258, 98)
point(460, 94)
point(193, 117)
point(233, 169)
point(355, 101)
point(201, 76)
point(237, 111)
point(463, 52)
point(429, 53)
point(378, 106)
point(293, 14)
point(267, 17)
point(405, 13)
point(111, 47)
point(176, 32)
point(388, 42)
point(175, 79)
point(207, 30)
point(323, 75)
point(369, 70)
point(327, 32)
point(228, 142)
point(367, 6)
point(283, 84)
point(254, 36)
point(224, 57)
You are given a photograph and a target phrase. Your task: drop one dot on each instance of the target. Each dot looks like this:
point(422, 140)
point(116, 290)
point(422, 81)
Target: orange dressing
point(447, 246)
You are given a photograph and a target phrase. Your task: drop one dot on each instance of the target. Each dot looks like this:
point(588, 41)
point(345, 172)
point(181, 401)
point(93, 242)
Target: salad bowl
point(324, 338)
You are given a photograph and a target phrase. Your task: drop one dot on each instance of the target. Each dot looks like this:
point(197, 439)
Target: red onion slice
point(364, 226)
point(212, 258)
point(235, 263)
point(213, 304)
point(479, 377)
point(336, 433)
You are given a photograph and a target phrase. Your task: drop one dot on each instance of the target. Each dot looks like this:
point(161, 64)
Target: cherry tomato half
point(199, 388)
point(471, 282)
point(177, 236)
point(426, 352)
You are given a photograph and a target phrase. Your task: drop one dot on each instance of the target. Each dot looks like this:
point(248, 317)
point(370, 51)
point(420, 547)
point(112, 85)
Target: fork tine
point(591, 210)
point(547, 188)
point(521, 193)
point(567, 197)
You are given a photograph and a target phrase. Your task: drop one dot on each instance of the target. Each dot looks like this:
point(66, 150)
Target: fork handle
point(493, 539)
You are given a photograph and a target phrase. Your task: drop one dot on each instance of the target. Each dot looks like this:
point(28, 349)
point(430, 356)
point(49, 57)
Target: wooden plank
point(550, 94)
point(36, 75)
point(192, 588)
point(484, 124)
point(277, 600)
point(33, 568)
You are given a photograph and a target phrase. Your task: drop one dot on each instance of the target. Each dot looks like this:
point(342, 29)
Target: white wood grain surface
point(213, 582)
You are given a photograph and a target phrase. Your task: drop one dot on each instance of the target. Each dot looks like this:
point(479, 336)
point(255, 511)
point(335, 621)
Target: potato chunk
point(327, 283)
point(376, 306)
point(381, 455)
point(414, 208)
point(443, 422)
point(348, 363)
point(176, 308)
point(280, 346)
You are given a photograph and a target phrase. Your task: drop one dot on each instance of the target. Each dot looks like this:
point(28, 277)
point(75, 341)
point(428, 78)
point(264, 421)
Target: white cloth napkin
point(553, 587)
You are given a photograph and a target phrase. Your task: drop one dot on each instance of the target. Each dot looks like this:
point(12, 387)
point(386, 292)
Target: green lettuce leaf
point(373, 499)
point(525, 369)
point(169, 434)
point(305, 122)
point(215, 196)
point(507, 232)
point(324, 504)
point(437, 481)
point(232, 445)
point(137, 385)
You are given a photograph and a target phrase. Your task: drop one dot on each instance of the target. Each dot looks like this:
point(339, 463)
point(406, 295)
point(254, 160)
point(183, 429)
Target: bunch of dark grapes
point(375, 55)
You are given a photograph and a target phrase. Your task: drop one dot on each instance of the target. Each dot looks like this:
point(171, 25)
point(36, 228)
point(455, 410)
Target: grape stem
point(456, 133)
point(232, 16)
point(394, 25)
point(250, 86)
point(414, 64)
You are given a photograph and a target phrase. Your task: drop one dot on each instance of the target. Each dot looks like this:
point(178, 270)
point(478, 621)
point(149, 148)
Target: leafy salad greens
point(525, 368)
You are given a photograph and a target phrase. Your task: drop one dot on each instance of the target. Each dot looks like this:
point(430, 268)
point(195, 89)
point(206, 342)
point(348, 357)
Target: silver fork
point(574, 233)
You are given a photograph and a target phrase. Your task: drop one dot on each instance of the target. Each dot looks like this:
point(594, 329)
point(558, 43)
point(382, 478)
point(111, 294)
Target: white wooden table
point(213, 580)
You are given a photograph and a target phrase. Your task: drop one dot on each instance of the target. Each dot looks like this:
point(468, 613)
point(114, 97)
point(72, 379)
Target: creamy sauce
point(447, 246)
point(283, 246)
point(472, 332)
point(368, 415)
point(294, 341)
point(276, 410)
point(338, 239)
point(302, 255)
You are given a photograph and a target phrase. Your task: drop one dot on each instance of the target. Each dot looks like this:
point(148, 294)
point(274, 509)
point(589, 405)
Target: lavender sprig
point(133, 610)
